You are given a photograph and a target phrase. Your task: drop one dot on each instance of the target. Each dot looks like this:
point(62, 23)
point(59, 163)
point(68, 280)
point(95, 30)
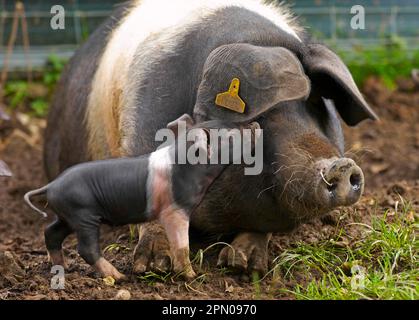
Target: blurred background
point(390, 39)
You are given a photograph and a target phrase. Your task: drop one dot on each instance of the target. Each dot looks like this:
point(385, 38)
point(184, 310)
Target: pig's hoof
point(56, 257)
point(106, 269)
point(187, 274)
point(247, 253)
point(152, 252)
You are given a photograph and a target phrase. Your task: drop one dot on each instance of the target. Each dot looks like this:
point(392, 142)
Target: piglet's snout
point(342, 181)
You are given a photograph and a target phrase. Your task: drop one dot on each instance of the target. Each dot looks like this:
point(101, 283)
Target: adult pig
point(155, 60)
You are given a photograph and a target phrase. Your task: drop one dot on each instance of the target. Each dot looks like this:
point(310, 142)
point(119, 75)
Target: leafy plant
point(389, 61)
point(23, 95)
point(116, 247)
point(17, 92)
point(53, 70)
point(40, 107)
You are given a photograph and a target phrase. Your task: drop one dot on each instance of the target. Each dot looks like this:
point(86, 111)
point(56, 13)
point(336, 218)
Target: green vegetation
point(116, 247)
point(151, 277)
point(52, 72)
point(36, 95)
point(388, 62)
point(382, 265)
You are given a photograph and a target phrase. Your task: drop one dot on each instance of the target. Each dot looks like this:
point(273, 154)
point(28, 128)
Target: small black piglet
point(135, 190)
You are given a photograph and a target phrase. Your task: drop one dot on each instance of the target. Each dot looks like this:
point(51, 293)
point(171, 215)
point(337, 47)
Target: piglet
point(136, 190)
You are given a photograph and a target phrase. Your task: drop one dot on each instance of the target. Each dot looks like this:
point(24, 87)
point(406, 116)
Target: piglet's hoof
point(106, 269)
point(182, 265)
point(56, 257)
point(187, 273)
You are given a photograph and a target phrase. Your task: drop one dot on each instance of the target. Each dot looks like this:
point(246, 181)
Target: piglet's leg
point(55, 234)
point(89, 249)
point(176, 224)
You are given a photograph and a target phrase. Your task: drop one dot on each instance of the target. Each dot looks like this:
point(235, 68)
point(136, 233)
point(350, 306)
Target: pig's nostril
point(355, 180)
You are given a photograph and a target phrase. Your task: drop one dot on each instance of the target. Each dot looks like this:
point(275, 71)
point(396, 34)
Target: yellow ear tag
point(231, 99)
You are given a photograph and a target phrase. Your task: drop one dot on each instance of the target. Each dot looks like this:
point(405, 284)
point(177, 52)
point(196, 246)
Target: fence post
point(76, 20)
point(393, 20)
point(2, 21)
point(333, 23)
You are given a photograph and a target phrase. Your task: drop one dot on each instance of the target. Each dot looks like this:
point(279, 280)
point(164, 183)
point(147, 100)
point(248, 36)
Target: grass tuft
point(381, 265)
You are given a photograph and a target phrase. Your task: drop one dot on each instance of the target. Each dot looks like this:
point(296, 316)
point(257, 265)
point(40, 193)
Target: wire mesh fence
point(326, 20)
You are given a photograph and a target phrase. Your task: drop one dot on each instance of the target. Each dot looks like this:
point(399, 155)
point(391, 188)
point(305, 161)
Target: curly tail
point(36, 192)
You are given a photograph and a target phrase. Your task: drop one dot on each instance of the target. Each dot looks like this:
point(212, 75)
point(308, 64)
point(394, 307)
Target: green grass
point(151, 277)
point(116, 247)
point(381, 265)
point(23, 96)
point(388, 62)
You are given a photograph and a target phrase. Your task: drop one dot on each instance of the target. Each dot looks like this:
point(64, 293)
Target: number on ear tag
point(231, 99)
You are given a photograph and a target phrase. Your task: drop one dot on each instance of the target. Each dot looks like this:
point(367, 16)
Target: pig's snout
point(342, 182)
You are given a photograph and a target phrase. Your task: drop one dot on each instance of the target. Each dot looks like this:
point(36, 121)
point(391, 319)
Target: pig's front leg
point(176, 224)
point(247, 253)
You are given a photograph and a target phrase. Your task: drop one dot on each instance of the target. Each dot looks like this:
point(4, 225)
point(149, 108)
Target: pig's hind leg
point(89, 249)
point(55, 235)
point(176, 224)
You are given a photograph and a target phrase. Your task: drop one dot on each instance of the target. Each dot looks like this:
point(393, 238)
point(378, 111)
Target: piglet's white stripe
point(159, 162)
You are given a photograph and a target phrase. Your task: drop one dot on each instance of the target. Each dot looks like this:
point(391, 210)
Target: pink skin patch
point(161, 193)
point(175, 222)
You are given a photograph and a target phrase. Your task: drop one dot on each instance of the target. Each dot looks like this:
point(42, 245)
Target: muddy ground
point(387, 151)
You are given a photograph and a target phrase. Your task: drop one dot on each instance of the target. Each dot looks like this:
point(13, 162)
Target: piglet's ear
point(4, 170)
point(185, 118)
point(259, 78)
point(330, 75)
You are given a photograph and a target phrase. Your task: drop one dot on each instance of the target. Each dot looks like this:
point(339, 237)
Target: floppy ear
point(330, 75)
point(4, 170)
point(173, 125)
point(268, 76)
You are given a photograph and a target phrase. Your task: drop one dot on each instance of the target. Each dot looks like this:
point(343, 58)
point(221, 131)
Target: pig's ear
point(267, 76)
point(4, 170)
point(186, 118)
point(330, 75)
